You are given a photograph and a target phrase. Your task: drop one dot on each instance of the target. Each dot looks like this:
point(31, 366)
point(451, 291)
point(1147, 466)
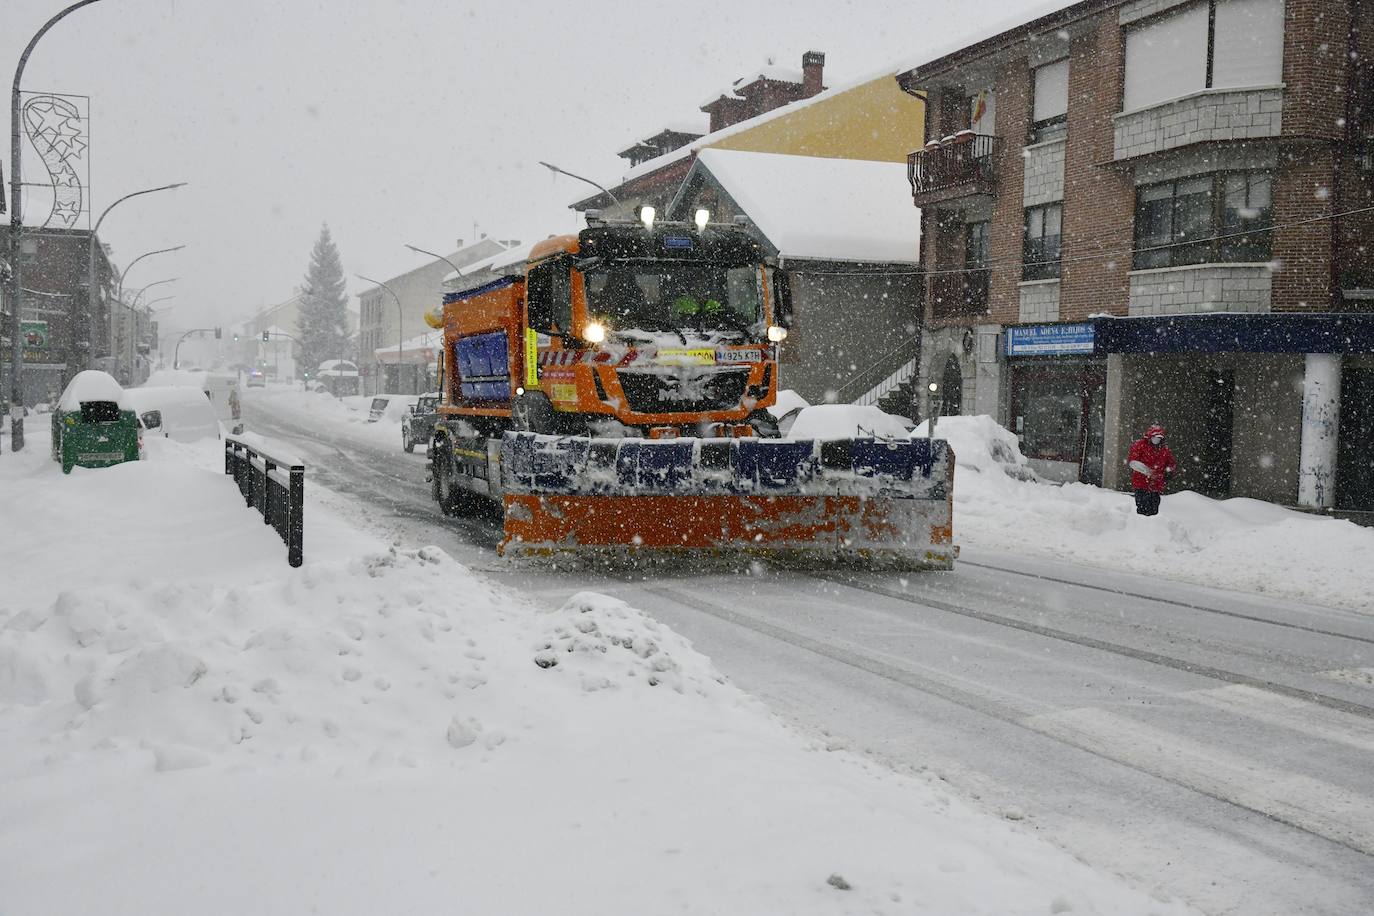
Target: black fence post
point(295, 522)
point(283, 509)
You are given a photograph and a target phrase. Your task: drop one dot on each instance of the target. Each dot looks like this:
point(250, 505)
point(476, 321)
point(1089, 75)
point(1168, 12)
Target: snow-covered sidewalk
point(1239, 544)
point(189, 725)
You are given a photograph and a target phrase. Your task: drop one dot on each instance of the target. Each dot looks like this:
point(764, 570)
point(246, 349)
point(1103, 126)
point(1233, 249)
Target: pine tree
point(322, 317)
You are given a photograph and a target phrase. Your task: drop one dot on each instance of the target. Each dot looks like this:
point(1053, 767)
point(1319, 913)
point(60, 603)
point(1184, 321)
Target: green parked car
point(92, 427)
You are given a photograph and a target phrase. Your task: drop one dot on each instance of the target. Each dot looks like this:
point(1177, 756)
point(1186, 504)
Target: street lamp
point(119, 292)
point(91, 296)
point(133, 319)
point(455, 267)
point(400, 338)
point(140, 293)
point(554, 168)
point(17, 227)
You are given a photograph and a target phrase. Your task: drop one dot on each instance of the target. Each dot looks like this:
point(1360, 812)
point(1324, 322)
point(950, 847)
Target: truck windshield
point(668, 295)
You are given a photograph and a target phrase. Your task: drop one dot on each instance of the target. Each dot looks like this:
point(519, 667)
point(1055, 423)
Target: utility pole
point(16, 228)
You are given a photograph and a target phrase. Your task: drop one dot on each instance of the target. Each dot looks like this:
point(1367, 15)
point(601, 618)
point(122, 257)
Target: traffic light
point(266, 335)
point(218, 333)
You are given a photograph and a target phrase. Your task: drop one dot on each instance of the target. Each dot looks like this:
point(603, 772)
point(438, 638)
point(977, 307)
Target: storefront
point(1277, 406)
point(1057, 400)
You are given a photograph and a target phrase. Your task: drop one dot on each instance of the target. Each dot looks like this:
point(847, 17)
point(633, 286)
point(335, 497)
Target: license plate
point(99, 456)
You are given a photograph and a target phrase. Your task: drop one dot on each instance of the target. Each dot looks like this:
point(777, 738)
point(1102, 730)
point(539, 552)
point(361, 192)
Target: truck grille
point(684, 390)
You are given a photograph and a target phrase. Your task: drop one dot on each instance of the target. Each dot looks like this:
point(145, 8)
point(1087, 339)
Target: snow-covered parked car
point(182, 414)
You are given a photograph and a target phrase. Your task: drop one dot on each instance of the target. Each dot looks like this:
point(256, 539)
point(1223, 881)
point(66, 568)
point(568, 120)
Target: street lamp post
point(149, 311)
point(91, 292)
point(400, 338)
point(119, 289)
point(606, 191)
point(133, 319)
point(16, 227)
point(458, 270)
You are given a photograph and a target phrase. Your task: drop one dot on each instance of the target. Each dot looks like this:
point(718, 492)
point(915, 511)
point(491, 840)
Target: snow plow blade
point(843, 500)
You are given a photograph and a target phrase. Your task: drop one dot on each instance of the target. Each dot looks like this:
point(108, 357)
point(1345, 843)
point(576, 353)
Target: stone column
point(1321, 424)
point(1114, 435)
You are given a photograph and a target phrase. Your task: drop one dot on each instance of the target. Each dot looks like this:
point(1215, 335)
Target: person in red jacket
point(1151, 464)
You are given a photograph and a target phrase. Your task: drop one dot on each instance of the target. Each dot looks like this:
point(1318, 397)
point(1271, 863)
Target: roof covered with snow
point(496, 263)
point(821, 209)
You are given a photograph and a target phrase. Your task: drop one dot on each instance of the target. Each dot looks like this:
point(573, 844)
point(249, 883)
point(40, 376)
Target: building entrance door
point(1214, 447)
point(1355, 450)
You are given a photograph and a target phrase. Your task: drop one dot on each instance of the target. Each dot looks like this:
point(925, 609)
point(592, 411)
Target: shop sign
point(1050, 340)
point(34, 334)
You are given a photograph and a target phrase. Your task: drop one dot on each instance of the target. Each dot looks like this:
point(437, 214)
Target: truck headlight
point(594, 332)
point(777, 334)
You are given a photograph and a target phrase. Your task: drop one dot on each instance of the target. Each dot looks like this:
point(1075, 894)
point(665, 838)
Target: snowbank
point(189, 725)
point(845, 421)
point(346, 416)
point(1242, 544)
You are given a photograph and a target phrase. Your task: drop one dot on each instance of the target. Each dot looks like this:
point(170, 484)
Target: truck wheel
point(454, 500)
point(533, 413)
point(406, 443)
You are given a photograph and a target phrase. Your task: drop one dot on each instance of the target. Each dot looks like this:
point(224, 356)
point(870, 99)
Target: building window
point(976, 258)
point(1050, 113)
point(1208, 218)
point(1040, 250)
point(1222, 44)
point(982, 112)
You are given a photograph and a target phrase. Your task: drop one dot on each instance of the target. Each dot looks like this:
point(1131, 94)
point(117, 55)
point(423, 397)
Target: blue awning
point(1325, 332)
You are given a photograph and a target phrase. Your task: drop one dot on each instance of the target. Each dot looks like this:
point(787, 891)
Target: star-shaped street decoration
point(66, 211)
point(58, 124)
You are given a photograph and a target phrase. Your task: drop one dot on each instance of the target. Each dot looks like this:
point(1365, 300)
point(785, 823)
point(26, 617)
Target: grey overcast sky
point(398, 120)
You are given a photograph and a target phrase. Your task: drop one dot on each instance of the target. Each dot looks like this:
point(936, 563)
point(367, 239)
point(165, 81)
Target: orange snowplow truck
point(613, 397)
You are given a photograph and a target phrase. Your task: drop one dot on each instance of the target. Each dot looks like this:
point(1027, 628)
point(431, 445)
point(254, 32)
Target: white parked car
point(182, 414)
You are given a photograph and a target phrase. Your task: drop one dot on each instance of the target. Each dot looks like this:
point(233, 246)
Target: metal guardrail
point(280, 502)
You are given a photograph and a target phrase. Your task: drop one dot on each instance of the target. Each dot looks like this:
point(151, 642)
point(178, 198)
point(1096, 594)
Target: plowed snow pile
point(187, 725)
point(1240, 544)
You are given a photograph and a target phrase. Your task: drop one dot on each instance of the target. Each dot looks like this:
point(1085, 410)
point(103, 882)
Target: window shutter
point(1051, 90)
point(1166, 58)
point(1249, 43)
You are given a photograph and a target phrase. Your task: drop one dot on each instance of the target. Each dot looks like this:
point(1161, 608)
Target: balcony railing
point(957, 295)
point(965, 163)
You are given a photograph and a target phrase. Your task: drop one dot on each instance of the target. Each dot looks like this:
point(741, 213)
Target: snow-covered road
point(1213, 743)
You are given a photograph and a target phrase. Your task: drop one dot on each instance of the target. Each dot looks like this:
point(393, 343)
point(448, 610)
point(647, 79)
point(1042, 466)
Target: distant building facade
point(382, 325)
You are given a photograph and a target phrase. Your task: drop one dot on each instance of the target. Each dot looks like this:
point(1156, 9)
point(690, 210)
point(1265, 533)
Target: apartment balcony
point(959, 295)
point(964, 165)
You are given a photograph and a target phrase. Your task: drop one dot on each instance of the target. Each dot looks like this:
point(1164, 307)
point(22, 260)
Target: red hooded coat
point(1157, 458)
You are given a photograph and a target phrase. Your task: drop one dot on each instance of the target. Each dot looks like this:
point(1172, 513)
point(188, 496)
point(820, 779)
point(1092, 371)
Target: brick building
point(1148, 210)
point(62, 336)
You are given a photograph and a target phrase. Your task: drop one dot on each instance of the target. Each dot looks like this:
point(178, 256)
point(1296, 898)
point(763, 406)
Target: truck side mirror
point(782, 299)
point(152, 419)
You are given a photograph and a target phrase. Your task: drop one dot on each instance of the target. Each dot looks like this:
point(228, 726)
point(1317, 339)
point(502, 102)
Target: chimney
point(813, 62)
point(460, 245)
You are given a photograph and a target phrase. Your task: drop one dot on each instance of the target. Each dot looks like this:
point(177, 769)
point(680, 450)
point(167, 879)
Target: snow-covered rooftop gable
point(822, 209)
